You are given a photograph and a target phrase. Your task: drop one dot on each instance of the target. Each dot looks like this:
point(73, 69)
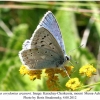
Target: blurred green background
point(79, 23)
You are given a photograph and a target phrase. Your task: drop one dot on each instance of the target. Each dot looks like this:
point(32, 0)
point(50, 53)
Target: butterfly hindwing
point(39, 58)
point(26, 45)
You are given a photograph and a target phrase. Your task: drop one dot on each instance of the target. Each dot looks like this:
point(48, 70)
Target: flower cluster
point(33, 74)
point(51, 74)
point(87, 70)
point(53, 79)
point(73, 83)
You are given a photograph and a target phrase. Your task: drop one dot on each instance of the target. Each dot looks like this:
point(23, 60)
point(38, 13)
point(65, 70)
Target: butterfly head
point(67, 58)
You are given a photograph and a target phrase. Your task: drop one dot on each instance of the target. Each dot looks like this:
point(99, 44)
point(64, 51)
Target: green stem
point(89, 85)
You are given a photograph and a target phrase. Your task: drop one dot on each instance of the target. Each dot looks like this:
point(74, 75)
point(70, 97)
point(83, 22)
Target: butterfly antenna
point(66, 72)
point(75, 48)
point(71, 63)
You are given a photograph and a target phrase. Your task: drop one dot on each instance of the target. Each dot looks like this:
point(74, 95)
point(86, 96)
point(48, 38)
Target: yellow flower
point(23, 70)
point(51, 74)
point(87, 70)
point(52, 79)
point(52, 84)
point(73, 83)
point(68, 69)
point(32, 77)
point(33, 74)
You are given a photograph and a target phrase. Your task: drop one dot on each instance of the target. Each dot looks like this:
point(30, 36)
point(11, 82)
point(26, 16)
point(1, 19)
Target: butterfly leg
point(66, 72)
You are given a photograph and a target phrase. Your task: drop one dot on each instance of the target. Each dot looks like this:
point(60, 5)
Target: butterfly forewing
point(43, 38)
point(49, 22)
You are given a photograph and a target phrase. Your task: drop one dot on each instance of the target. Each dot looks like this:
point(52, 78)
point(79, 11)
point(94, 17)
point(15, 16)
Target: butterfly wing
point(26, 45)
point(45, 51)
point(49, 22)
point(43, 38)
point(39, 58)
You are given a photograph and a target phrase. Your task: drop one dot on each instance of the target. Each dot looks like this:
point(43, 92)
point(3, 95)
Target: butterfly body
point(45, 49)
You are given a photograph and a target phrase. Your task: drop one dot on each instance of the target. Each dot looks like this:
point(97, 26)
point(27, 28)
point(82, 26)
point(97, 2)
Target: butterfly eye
point(68, 58)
